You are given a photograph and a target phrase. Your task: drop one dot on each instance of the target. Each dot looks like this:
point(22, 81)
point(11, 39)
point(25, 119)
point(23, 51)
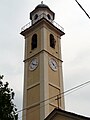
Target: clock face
point(33, 64)
point(53, 64)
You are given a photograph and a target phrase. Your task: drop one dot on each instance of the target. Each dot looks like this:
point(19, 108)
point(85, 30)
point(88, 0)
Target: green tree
point(8, 110)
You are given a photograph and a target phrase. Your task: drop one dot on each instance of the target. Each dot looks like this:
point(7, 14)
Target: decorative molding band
point(34, 85)
point(27, 59)
point(55, 86)
point(53, 105)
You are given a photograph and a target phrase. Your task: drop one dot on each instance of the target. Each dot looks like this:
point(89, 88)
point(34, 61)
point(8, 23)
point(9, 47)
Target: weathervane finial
point(41, 2)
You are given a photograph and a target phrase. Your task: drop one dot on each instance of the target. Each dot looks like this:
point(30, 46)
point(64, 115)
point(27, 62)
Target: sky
point(14, 14)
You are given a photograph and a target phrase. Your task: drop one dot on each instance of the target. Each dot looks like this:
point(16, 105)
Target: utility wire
point(75, 89)
point(83, 9)
point(69, 90)
point(66, 93)
point(37, 108)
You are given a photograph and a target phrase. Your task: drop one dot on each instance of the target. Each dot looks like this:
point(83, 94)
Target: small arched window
point(52, 41)
point(36, 16)
point(49, 17)
point(34, 41)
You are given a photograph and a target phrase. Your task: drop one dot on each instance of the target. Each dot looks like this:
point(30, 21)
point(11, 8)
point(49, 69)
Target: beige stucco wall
point(33, 114)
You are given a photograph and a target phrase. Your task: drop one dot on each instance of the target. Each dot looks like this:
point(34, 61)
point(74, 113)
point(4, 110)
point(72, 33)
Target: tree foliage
point(8, 110)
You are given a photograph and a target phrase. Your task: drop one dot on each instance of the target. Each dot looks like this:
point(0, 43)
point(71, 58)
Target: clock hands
point(53, 64)
point(33, 64)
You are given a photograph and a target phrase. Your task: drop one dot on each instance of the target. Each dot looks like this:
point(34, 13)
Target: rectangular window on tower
point(34, 41)
point(52, 41)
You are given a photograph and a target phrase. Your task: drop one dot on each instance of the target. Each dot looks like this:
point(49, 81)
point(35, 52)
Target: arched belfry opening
point(52, 41)
point(34, 41)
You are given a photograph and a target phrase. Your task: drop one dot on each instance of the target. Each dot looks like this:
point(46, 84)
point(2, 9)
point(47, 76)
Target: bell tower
point(43, 79)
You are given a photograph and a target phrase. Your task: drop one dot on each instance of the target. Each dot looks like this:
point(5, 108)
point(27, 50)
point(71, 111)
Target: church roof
point(42, 6)
point(59, 113)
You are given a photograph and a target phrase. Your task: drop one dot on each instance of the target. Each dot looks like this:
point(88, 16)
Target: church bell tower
point(43, 79)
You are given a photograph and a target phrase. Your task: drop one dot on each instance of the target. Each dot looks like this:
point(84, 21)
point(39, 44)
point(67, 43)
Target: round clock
point(53, 64)
point(33, 64)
